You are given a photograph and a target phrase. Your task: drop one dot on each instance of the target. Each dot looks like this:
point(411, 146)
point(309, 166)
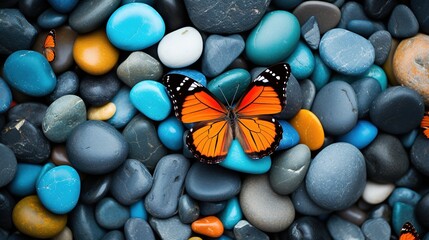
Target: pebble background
point(90, 147)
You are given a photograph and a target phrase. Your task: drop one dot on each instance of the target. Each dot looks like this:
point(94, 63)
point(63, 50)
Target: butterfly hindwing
point(49, 45)
point(425, 124)
point(408, 232)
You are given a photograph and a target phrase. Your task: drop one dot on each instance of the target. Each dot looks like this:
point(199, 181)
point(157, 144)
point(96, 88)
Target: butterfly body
point(249, 121)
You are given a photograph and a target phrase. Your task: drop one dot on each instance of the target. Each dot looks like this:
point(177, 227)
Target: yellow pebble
point(94, 54)
point(195, 238)
point(33, 219)
point(102, 113)
point(309, 129)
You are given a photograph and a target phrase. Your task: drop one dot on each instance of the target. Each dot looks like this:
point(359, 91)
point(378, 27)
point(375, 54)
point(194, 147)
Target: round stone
point(264, 208)
point(340, 188)
point(419, 154)
point(348, 229)
point(63, 7)
point(309, 129)
point(87, 16)
point(135, 26)
point(209, 226)
point(376, 193)
point(99, 90)
point(95, 147)
point(188, 209)
point(110, 214)
point(67, 84)
point(102, 113)
point(137, 67)
point(320, 10)
point(51, 19)
point(8, 165)
point(402, 22)
point(25, 179)
point(170, 132)
point(382, 42)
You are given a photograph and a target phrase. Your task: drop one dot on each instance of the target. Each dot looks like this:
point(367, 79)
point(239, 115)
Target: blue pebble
point(25, 179)
point(63, 6)
point(5, 96)
point(231, 214)
point(170, 132)
point(51, 19)
point(290, 136)
point(59, 189)
point(378, 74)
point(194, 74)
point(346, 52)
point(151, 98)
point(301, 61)
point(404, 195)
point(363, 133)
point(321, 73)
point(125, 110)
point(30, 73)
point(362, 27)
point(238, 160)
point(48, 166)
point(135, 26)
point(409, 138)
point(137, 210)
point(402, 213)
point(150, 2)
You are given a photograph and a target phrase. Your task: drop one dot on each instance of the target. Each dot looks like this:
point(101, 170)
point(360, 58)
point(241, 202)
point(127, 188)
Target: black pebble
point(307, 228)
point(31, 111)
point(94, 188)
point(98, 90)
point(67, 83)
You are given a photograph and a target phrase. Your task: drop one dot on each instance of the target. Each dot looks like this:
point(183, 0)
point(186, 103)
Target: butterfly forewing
point(408, 232)
point(425, 124)
point(49, 46)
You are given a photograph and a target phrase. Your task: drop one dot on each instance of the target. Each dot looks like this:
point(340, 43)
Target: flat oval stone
point(254, 196)
point(408, 64)
point(382, 42)
point(99, 90)
point(289, 169)
point(397, 110)
point(8, 165)
point(402, 22)
point(232, 213)
point(90, 15)
point(62, 116)
point(308, 227)
point(173, 12)
point(348, 229)
point(67, 84)
point(376, 193)
point(281, 43)
point(135, 228)
point(142, 138)
point(243, 230)
point(361, 135)
point(30, 111)
point(320, 10)
point(301, 61)
point(419, 152)
point(356, 60)
point(135, 177)
point(170, 132)
point(170, 228)
point(211, 183)
point(110, 214)
point(104, 55)
point(321, 73)
point(102, 113)
point(25, 179)
point(94, 188)
point(83, 224)
point(5, 96)
point(51, 19)
point(188, 209)
point(180, 48)
point(336, 107)
point(230, 83)
point(339, 189)
point(135, 26)
point(309, 129)
point(42, 223)
point(125, 110)
point(26, 141)
point(96, 147)
point(59, 189)
point(30, 73)
point(6, 208)
point(137, 67)
point(366, 89)
point(170, 173)
point(386, 159)
point(374, 229)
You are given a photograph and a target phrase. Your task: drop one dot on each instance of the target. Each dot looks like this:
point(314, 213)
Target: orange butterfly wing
point(49, 45)
point(408, 232)
point(425, 124)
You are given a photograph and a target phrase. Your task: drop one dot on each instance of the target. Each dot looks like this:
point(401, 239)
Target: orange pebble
point(309, 128)
point(209, 226)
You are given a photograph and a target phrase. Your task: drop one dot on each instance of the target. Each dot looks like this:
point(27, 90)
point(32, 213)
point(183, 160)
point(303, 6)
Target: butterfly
point(408, 232)
point(250, 121)
point(49, 46)
point(425, 124)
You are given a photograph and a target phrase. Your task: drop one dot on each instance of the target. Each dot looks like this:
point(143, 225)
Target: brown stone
point(388, 64)
point(59, 155)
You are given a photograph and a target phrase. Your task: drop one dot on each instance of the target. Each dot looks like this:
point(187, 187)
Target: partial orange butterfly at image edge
point(49, 46)
point(408, 232)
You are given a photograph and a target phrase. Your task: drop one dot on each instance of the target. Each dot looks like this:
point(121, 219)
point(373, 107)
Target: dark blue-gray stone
point(419, 154)
point(225, 17)
point(94, 188)
point(110, 214)
point(366, 89)
point(211, 208)
point(307, 228)
point(3, 234)
point(168, 180)
point(51, 19)
point(342, 229)
point(33, 112)
point(98, 90)
point(83, 224)
point(173, 12)
point(131, 182)
point(308, 91)
point(8, 165)
point(293, 99)
point(243, 230)
point(351, 11)
point(402, 22)
point(7, 203)
point(397, 110)
point(142, 137)
point(114, 235)
point(379, 9)
point(170, 228)
point(17, 32)
point(362, 27)
point(420, 10)
point(188, 209)
point(411, 179)
point(381, 41)
point(304, 204)
point(383, 211)
point(311, 33)
point(336, 107)
point(137, 228)
point(212, 183)
point(386, 159)
point(422, 211)
point(220, 52)
point(67, 83)
point(32, 8)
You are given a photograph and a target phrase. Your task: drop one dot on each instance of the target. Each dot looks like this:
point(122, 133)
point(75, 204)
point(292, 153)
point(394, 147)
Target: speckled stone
point(137, 67)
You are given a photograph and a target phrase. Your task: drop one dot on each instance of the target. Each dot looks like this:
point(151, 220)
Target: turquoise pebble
point(378, 74)
point(25, 179)
point(151, 98)
point(5, 96)
point(230, 83)
point(170, 132)
point(404, 195)
point(150, 2)
point(194, 74)
point(287, 4)
point(30, 73)
point(48, 166)
point(409, 138)
point(402, 213)
point(237, 160)
point(363, 133)
point(321, 73)
point(301, 61)
point(51, 19)
point(125, 110)
point(362, 27)
point(224, 237)
point(135, 26)
point(137, 210)
point(290, 136)
point(59, 189)
point(63, 6)
point(231, 214)
point(270, 41)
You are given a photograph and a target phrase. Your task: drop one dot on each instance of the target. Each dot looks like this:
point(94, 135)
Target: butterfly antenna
point(235, 94)
point(224, 97)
